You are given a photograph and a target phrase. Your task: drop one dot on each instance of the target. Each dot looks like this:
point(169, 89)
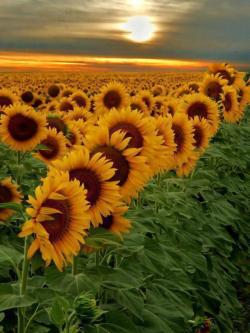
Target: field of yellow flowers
point(124, 202)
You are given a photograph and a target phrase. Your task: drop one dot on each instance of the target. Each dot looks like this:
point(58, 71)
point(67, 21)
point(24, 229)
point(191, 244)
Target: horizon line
point(31, 61)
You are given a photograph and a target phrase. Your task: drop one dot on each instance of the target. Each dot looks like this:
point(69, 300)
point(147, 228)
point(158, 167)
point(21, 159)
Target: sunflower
point(56, 146)
point(8, 193)
point(66, 92)
point(183, 91)
point(56, 120)
point(95, 173)
point(201, 133)
point(78, 114)
point(164, 129)
point(136, 104)
point(203, 107)
point(116, 222)
point(159, 105)
point(139, 129)
point(113, 95)
point(212, 86)
point(194, 86)
point(244, 97)
point(187, 167)
point(59, 218)
point(147, 98)
point(22, 128)
point(183, 138)
point(170, 106)
point(227, 72)
point(27, 97)
point(66, 105)
point(230, 105)
point(7, 98)
point(158, 90)
point(132, 172)
point(73, 134)
point(81, 100)
point(52, 106)
point(54, 90)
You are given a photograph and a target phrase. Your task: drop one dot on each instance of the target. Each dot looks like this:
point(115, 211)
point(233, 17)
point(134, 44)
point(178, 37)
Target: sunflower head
point(8, 193)
point(54, 90)
point(58, 217)
point(212, 86)
point(183, 138)
point(113, 95)
point(7, 98)
point(95, 174)
point(128, 165)
point(27, 97)
point(22, 128)
point(230, 105)
point(54, 146)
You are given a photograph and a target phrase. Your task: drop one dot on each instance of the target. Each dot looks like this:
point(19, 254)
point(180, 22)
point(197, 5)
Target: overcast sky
point(195, 30)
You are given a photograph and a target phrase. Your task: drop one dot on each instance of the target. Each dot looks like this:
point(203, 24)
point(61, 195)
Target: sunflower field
point(124, 202)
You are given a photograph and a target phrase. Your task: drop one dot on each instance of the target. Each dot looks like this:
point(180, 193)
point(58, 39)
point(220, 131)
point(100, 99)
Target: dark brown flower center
point(158, 105)
point(147, 101)
point(179, 137)
point(67, 93)
point(197, 109)
point(37, 103)
point(80, 101)
point(135, 106)
point(226, 75)
point(27, 96)
point(228, 102)
point(213, 90)
point(112, 99)
point(57, 123)
point(170, 110)
point(131, 131)
point(184, 92)
point(5, 194)
point(198, 136)
point(59, 226)
point(66, 106)
point(22, 128)
point(52, 148)
point(5, 101)
point(107, 222)
point(54, 91)
point(119, 163)
point(91, 182)
point(194, 86)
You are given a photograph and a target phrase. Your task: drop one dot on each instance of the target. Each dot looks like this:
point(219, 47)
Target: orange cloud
point(18, 61)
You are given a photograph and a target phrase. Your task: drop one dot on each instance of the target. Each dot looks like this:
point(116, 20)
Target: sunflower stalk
point(23, 285)
point(74, 265)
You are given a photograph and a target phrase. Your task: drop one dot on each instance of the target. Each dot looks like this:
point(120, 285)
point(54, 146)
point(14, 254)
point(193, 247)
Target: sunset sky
point(123, 35)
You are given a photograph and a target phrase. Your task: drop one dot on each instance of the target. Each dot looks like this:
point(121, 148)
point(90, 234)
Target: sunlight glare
point(139, 29)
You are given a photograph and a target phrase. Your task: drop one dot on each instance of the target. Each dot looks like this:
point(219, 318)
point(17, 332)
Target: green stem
point(97, 258)
point(23, 284)
point(74, 266)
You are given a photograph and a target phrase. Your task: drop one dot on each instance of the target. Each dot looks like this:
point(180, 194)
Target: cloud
point(194, 29)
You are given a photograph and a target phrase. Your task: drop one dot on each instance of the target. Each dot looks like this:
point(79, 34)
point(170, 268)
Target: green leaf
point(12, 205)
point(9, 299)
point(11, 255)
point(57, 313)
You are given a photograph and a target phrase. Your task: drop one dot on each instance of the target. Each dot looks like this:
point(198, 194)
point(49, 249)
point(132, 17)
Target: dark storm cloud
point(199, 29)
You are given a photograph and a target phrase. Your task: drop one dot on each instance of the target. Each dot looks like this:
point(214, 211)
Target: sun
point(139, 28)
point(136, 3)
